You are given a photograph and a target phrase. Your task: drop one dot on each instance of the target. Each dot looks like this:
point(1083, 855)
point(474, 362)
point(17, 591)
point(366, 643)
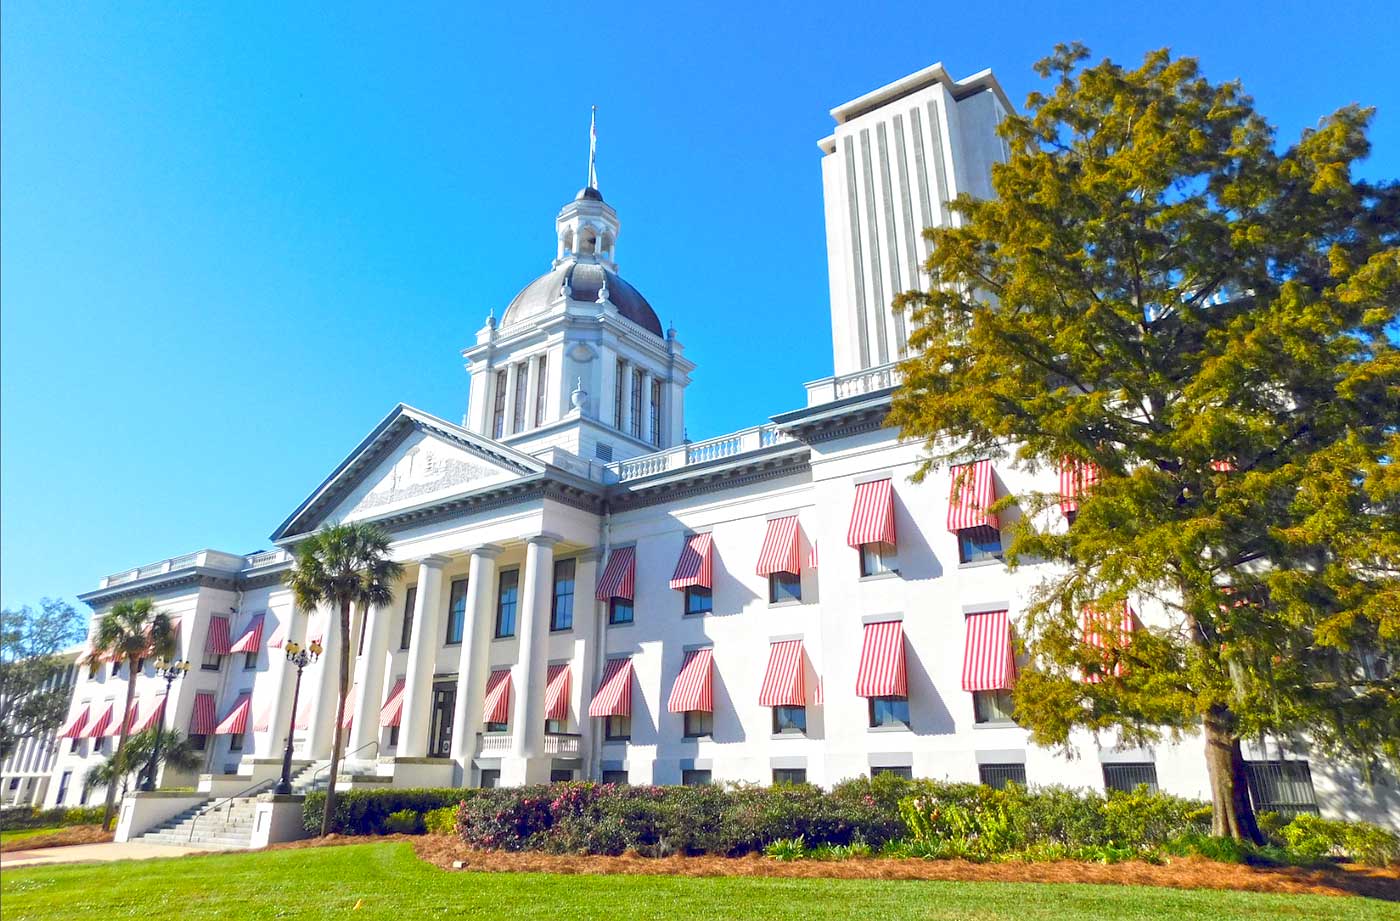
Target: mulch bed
point(1183, 873)
point(76, 834)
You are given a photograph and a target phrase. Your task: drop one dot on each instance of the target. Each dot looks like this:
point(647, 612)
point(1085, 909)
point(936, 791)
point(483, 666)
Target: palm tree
point(128, 633)
point(344, 565)
point(124, 765)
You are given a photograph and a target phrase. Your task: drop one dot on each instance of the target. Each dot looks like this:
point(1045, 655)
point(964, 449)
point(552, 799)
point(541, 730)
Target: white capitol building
point(587, 594)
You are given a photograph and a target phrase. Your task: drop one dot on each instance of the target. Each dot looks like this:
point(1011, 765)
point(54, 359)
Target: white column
point(418, 682)
point(274, 742)
point(325, 676)
point(512, 372)
point(529, 674)
point(646, 407)
point(625, 370)
point(476, 637)
point(369, 684)
point(532, 377)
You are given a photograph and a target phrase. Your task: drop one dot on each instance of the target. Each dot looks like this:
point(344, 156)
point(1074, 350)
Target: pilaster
point(418, 681)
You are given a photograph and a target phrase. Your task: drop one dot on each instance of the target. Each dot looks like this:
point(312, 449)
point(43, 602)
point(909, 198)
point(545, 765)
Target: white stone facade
point(481, 513)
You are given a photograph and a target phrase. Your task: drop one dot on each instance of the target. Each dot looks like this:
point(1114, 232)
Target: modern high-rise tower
point(898, 156)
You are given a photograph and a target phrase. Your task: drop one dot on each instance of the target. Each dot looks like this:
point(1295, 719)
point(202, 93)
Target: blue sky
point(231, 240)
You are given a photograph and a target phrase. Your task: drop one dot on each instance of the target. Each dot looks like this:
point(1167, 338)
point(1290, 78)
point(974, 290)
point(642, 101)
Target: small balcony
point(859, 383)
point(563, 743)
point(494, 743)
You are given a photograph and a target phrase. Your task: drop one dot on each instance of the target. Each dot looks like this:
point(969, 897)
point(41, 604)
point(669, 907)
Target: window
point(699, 723)
point(490, 778)
point(93, 668)
point(14, 783)
point(789, 775)
point(83, 795)
point(876, 559)
point(406, 632)
point(522, 382)
point(1126, 778)
point(905, 772)
point(506, 600)
point(556, 727)
point(393, 737)
point(141, 665)
point(212, 661)
point(1284, 787)
point(637, 407)
point(197, 742)
point(620, 610)
point(992, 707)
point(618, 729)
point(497, 727)
point(250, 658)
point(699, 600)
point(656, 413)
point(615, 777)
point(541, 375)
point(997, 776)
point(498, 413)
point(977, 544)
point(889, 711)
point(695, 777)
point(560, 775)
point(784, 586)
point(63, 783)
point(235, 743)
point(790, 720)
point(74, 747)
point(456, 611)
point(618, 417)
point(116, 667)
point(561, 612)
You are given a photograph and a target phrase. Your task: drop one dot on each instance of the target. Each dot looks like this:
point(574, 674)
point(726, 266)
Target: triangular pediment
point(411, 459)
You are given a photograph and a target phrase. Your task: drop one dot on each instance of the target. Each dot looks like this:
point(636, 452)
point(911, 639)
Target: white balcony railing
point(212, 558)
point(494, 743)
point(841, 386)
point(700, 452)
point(266, 558)
point(562, 744)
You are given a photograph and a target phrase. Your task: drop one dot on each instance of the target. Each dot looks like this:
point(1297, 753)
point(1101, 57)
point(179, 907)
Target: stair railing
point(343, 759)
point(227, 800)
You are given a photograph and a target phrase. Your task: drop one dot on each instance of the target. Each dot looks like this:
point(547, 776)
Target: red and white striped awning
point(779, 552)
point(133, 715)
point(872, 516)
point(882, 672)
point(694, 687)
point(235, 723)
point(202, 719)
point(1223, 466)
point(98, 727)
point(316, 629)
point(251, 640)
point(556, 693)
point(73, 729)
point(348, 719)
point(785, 680)
point(973, 491)
point(392, 711)
point(279, 637)
point(152, 719)
point(812, 555)
point(1077, 477)
point(1098, 631)
point(302, 718)
point(988, 662)
point(496, 707)
point(694, 568)
point(264, 721)
point(619, 576)
point(216, 641)
point(614, 697)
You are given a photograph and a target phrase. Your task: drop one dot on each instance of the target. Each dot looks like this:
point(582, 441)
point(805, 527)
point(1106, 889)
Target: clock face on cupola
point(578, 360)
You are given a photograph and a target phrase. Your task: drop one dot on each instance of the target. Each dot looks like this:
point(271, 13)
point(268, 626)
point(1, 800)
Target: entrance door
point(440, 726)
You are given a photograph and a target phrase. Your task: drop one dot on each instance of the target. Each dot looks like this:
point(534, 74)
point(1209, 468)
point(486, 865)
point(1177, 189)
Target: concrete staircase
point(228, 826)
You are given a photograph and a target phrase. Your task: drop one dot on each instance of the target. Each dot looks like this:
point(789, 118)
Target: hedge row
point(585, 818)
point(13, 819)
point(366, 812)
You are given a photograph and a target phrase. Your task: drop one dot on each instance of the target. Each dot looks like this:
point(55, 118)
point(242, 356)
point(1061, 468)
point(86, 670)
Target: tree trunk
point(121, 742)
point(1232, 814)
point(344, 656)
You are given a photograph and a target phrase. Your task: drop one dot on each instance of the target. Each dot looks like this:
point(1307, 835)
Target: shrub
point(787, 849)
point(1147, 820)
point(13, 819)
point(441, 821)
point(1311, 837)
point(366, 812)
point(404, 822)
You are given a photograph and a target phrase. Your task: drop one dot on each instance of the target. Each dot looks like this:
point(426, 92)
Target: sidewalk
point(95, 853)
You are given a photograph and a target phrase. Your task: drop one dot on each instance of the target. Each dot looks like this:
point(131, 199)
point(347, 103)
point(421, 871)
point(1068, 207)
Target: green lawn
point(394, 884)
point(7, 836)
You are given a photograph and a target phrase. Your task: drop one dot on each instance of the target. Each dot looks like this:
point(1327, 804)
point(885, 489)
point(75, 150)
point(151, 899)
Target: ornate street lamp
point(300, 658)
point(169, 671)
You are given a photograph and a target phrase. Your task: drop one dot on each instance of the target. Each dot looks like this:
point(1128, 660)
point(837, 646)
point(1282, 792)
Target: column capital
point(544, 539)
point(436, 561)
point(487, 551)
